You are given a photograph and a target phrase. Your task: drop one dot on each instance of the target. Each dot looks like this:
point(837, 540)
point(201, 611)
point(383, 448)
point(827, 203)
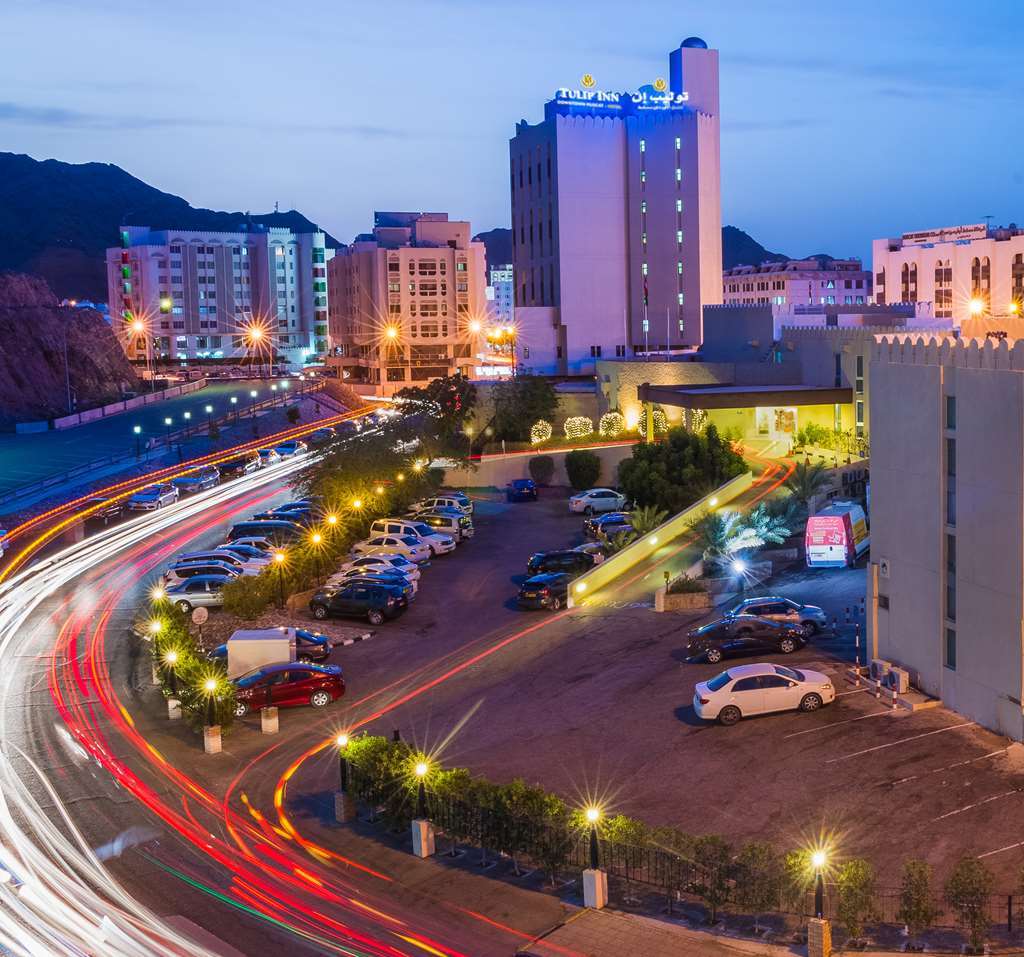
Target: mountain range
point(59, 218)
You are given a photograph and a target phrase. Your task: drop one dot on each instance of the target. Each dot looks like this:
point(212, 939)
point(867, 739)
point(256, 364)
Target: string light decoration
point(660, 421)
point(578, 427)
point(540, 432)
point(612, 425)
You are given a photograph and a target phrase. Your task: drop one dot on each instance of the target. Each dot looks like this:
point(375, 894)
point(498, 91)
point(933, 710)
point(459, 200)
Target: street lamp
point(155, 627)
point(157, 593)
point(137, 429)
point(593, 815)
point(315, 540)
point(357, 503)
point(342, 742)
point(252, 395)
point(818, 861)
point(234, 402)
point(421, 769)
point(171, 660)
point(208, 409)
point(210, 687)
point(332, 519)
point(976, 306)
point(279, 558)
point(167, 426)
point(378, 489)
point(400, 477)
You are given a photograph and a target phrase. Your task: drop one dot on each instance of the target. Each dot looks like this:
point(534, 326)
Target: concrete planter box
point(686, 601)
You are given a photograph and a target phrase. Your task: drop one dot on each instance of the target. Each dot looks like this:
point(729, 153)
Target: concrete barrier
point(619, 563)
point(116, 408)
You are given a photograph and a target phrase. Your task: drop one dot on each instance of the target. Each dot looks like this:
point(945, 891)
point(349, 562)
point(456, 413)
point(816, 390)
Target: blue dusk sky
point(840, 122)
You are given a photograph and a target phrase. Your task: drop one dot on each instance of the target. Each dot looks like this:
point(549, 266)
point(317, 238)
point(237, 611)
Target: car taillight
point(545, 591)
point(704, 700)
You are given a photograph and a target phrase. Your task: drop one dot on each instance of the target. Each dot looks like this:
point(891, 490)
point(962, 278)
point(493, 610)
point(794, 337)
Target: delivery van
point(837, 536)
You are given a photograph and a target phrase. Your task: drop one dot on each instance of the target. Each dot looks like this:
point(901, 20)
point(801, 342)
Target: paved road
point(33, 457)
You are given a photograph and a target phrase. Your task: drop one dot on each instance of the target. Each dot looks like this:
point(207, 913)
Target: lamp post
point(315, 540)
point(137, 429)
point(818, 861)
point(595, 881)
point(421, 770)
point(170, 661)
point(593, 815)
point(342, 763)
point(279, 558)
point(252, 395)
point(210, 687)
point(234, 402)
point(167, 428)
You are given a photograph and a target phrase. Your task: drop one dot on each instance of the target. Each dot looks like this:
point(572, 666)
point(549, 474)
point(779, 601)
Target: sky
point(840, 123)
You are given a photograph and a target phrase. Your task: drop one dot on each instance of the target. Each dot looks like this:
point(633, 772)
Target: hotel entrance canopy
point(742, 396)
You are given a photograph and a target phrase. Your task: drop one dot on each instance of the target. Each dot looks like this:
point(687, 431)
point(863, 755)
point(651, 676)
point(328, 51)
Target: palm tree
point(621, 540)
point(807, 481)
point(770, 525)
point(720, 534)
point(647, 519)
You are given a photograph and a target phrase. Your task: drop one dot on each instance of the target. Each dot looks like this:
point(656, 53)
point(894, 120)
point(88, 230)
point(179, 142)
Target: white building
point(946, 589)
point(973, 270)
point(501, 295)
point(616, 218)
point(798, 282)
point(187, 295)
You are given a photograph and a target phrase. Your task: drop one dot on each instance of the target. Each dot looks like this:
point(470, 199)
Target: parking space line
point(835, 724)
point(841, 694)
point(950, 767)
point(999, 850)
point(969, 807)
point(892, 744)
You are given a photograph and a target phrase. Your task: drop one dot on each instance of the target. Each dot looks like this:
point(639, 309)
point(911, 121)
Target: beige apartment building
point(946, 582)
point(408, 303)
point(798, 282)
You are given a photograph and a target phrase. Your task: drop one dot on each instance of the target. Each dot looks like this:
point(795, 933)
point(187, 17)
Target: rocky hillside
point(32, 330)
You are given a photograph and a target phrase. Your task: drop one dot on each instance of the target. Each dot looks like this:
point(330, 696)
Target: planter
point(685, 601)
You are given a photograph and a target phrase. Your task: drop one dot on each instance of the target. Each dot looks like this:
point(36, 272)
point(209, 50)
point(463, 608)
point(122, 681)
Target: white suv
point(415, 549)
point(440, 544)
point(461, 502)
point(597, 500)
point(759, 689)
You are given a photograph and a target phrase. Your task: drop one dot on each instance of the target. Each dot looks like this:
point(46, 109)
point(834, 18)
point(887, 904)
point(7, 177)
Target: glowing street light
point(1013, 308)
point(475, 326)
point(157, 593)
point(357, 503)
point(171, 660)
point(315, 540)
point(976, 306)
point(138, 327)
point(342, 742)
point(210, 688)
point(279, 560)
point(739, 566)
point(818, 861)
point(421, 769)
point(332, 519)
point(400, 477)
point(155, 627)
point(391, 332)
point(593, 815)
point(137, 429)
point(379, 489)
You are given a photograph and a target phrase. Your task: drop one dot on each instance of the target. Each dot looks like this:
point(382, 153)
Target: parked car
point(243, 465)
point(597, 551)
point(810, 618)
point(747, 690)
point(286, 685)
point(248, 553)
point(183, 571)
point(298, 505)
point(106, 510)
point(268, 457)
point(203, 591)
point(462, 503)
point(521, 490)
point(597, 500)
point(321, 436)
point(290, 448)
point(198, 481)
point(153, 497)
point(438, 543)
point(609, 530)
point(570, 561)
point(742, 635)
point(306, 519)
point(278, 531)
point(391, 577)
point(264, 545)
point(415, 549)
point(400, 562)
point(374, 602)
point(549, 590)
point(373, 563)
point(594, 523)
point(447, 522)
point(246, 566)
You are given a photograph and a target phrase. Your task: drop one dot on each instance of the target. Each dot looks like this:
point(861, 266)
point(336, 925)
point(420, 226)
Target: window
point(679, 205)
point(951, 482)
point(620, 352)
point(595, 352)
point(858, 382)
point(949, 655)
point(643, 146)
point(747, 684)
point(679, 143)
point(950, 411)
point(838, 369)
point(679, 174)
point(950, 577)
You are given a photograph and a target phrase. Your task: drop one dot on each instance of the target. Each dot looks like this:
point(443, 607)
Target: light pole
point(421, 770)
point(234, 402)
point(137, 429)
point(210, 687)
point(315, 540)
point(593, 815)
point(342, 763)
point(167, 428)
point(279, 558)
point(818, 861)
point(171, 660)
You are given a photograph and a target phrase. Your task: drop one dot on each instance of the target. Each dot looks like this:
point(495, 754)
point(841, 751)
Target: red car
point(288, 684)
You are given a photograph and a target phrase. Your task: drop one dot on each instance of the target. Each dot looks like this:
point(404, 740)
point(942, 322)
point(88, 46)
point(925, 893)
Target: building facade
point(804, 282)
point(946, 582)
point(616, 218)
point(964, 271)
point(408, 302)
point(501, 295)
point(192, 296)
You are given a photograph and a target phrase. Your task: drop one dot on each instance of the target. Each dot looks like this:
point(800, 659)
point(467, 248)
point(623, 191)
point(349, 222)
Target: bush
point(685, 585)
point(967, 891)
point(659, 418)
point(578, 427)
point(712, 855)
point(917, 909)
point(759, 879)
point(519, 401)
point(542, 469)
point(249, 595)
point(293, 413)
point(856, 885)
point(540, 432)
point(583, 468)
point(612, 425)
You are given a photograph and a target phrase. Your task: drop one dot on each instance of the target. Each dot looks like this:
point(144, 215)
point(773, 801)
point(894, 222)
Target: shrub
point(540, 432)
point(759, 879)
point(293, 413)
point(519, 401)
point(685, 585)
point(712, 855)
point(542, 469)
point(967, 891)
point(578, 427)
point(583, 468)
point(249, 595)
point(917, 909)
point(612, 425)
point(856, 885)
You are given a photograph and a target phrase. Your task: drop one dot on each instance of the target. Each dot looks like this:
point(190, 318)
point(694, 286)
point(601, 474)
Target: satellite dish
point(199, 616)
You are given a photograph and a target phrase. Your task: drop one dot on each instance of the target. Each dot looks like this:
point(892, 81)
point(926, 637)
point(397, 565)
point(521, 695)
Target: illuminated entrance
point(775, 422)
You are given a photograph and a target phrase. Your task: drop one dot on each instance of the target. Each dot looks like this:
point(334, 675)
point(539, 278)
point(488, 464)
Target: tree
point(770, 527)
point(676, 472)
point(293, 413)
point(917, 908)
point(542, 469)
point(719, 535)
point(647, 518)
point(806, 482)
point(583, 468)
point(712, 855)
point(856, 886)
point(759, 879)
point(443, 406)
point(521, 401)
point(967, 891)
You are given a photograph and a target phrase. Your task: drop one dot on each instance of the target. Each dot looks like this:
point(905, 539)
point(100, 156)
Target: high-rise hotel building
point(616, 218)
point(188, 295)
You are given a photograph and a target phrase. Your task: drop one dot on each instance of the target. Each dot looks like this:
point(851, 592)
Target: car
point(248, 553)
point(105, 510)
point(746, 690)
point(243, 465)
point(321, 436)
point(439, 544)
point(415, 549)
point(299, 505)
point(203, 591)
point(461, 503)
point(521, 490)
point(184, 570)
point(592, 525)
point(810, 618)
point(447, 522)
point(278, 531)
point(308, 519)
point(199, 480)
point(549, 590)
point(383, 563)
point(609, 530)
point(268, 457)
point(391, 577)
point(597, 500)
point(291, 448)
point(261, 544)
point(245, 565)
point(742, 635)
point(153, 497)
point(372, 601)
point(567, 560)
point(287, 684)
point(596, 550)
point(403, 564)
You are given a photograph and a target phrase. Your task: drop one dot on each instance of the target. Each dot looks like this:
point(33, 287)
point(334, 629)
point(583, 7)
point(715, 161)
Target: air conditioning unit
point(898, 680)
point(879, 668)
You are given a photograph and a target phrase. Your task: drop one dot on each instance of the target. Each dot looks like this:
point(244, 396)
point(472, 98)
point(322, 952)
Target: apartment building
point(798, 282)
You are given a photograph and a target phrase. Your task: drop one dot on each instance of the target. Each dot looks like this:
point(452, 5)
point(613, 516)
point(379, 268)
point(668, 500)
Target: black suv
point(545, 591)
point(375, 603)
point(742, 635)
point(574, 563)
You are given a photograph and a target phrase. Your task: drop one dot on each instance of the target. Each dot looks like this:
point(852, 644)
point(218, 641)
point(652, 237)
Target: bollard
point(856, 653)
point(595, 888)
point(268, 720)
point(396, 735)
point(211, 739)
point(894, 701)
point(173, 709)
point(422, 838)
point(835, 627)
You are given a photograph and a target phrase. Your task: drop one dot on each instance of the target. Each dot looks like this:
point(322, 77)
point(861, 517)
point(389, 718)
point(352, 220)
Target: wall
point(575, 402)
point(499, 470)
point(116, 408)
point(618, 381)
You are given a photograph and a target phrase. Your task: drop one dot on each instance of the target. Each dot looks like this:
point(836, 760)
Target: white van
point(440, 544)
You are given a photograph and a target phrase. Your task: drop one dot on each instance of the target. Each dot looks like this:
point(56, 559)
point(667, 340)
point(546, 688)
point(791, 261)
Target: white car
point(399, 561)
point(597, 500)
point(268, 456)
point(247, 566)
point(255, 541)
point(457, 501)
point(383, 563)
point(415, 549)
point(153, 497)
point(440, 543)
point(182, 571)
point(760, 689)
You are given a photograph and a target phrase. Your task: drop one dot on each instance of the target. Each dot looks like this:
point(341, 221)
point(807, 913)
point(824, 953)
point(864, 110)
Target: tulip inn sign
point(591, 100)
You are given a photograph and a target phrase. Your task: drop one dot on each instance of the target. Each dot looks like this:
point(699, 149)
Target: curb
point(345, 642)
